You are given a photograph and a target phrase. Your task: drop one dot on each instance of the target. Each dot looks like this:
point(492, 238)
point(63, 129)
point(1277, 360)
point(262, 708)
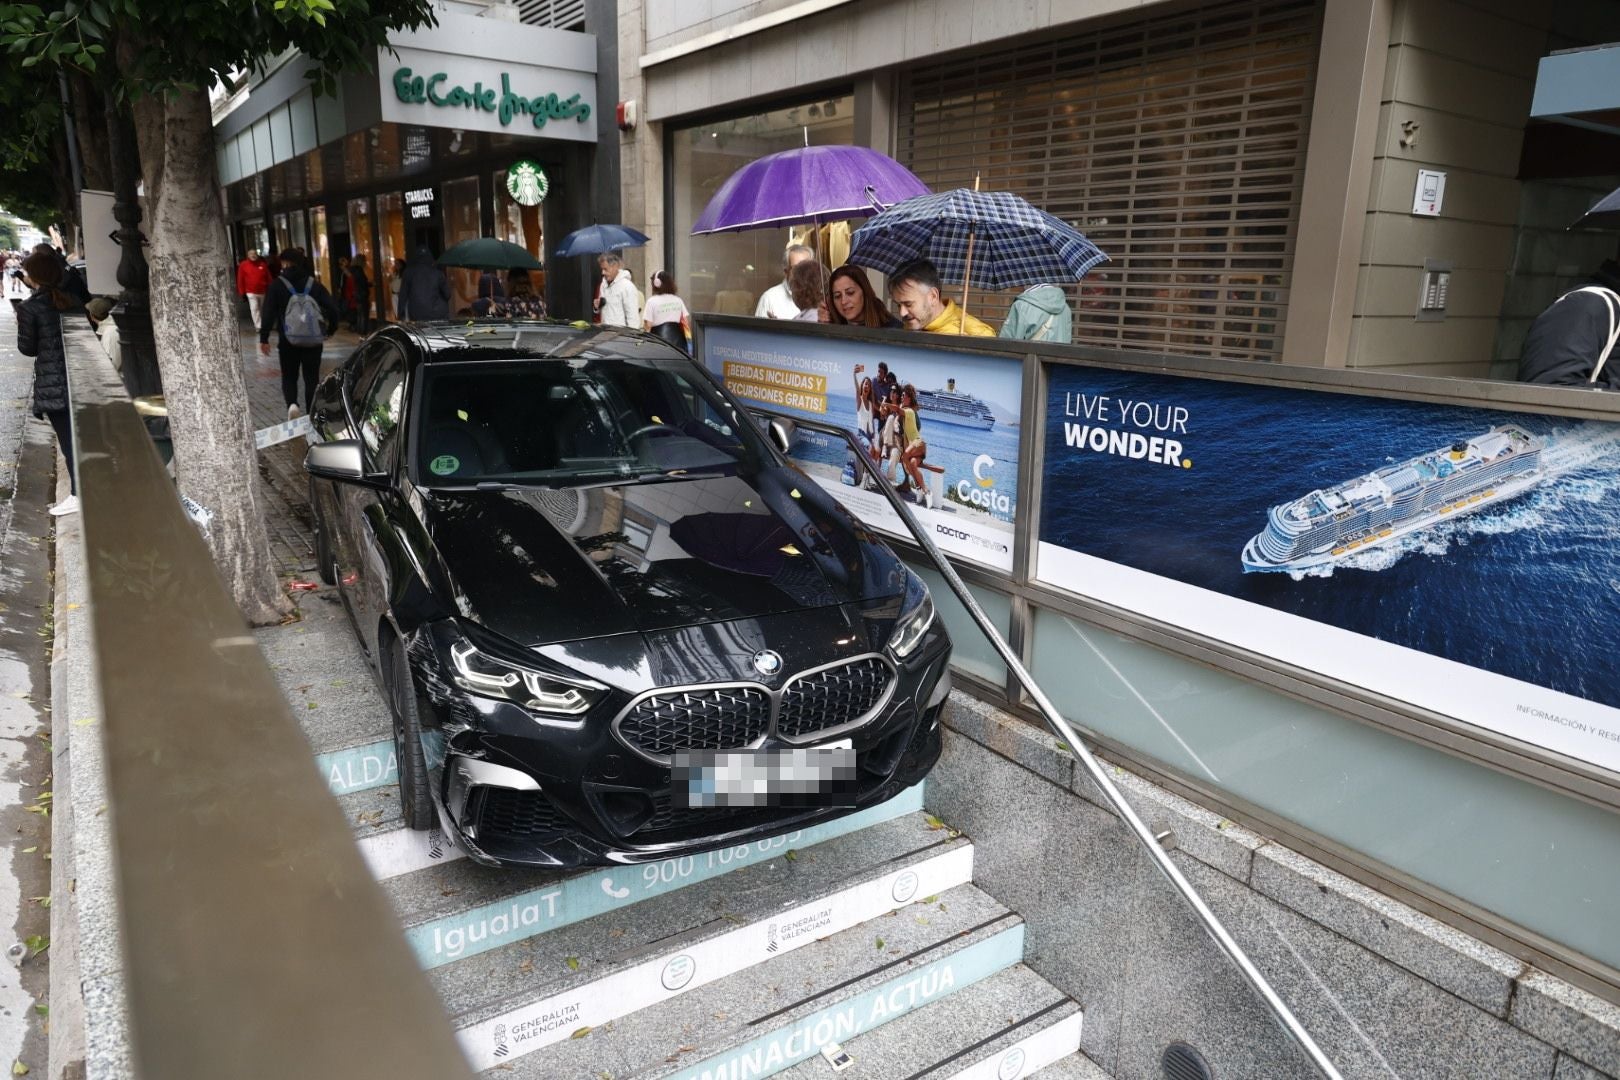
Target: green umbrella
point(488, 253)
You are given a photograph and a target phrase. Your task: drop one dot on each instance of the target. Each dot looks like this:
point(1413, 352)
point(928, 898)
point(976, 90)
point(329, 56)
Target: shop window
point(727, 272)
point(521, 225)
point(391, 249)
point(320, 253)
point(1176, 144)
point(461, 217)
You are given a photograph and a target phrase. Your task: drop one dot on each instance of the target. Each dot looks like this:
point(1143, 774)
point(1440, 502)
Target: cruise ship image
point(1330, 524)
point(949, 407)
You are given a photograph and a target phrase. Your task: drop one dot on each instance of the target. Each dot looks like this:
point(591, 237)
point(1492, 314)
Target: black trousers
point(63, 423)
point(296, 360)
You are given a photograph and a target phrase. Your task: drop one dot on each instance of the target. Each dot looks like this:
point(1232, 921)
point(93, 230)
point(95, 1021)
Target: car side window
point(361, 369)
point(382, 410)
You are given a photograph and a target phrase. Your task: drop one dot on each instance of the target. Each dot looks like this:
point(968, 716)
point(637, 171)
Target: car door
point(364, 566)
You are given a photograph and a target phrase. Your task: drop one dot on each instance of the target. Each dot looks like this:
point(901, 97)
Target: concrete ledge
point(1378, 983)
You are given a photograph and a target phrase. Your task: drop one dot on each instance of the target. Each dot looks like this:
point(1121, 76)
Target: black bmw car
point(612, 621)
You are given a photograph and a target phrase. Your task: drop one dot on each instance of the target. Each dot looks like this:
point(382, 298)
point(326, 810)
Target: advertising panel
point(1457, 559)
point(960, 475)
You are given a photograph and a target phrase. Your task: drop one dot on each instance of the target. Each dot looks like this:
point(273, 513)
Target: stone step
point(769, 1016)
point(1074, 1067)
point(478, 930)
point(553, 992)
point(1005, 1027)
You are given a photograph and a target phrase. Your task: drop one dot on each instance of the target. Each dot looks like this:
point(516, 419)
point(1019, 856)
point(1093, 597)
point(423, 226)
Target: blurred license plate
point(813, 776)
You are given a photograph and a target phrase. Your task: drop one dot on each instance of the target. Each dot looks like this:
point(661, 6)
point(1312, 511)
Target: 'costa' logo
point(981, 464)
point(984, 496)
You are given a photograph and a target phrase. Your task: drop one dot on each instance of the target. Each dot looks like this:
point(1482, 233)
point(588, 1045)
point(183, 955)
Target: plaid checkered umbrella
point(996, 237)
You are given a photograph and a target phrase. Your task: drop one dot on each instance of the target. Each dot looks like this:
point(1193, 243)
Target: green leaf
point(18, 1069)
point(43, 1010)
point(879, 943)
point(572, 962)
point(37, 944)
point(790, 855)
point(30, 61)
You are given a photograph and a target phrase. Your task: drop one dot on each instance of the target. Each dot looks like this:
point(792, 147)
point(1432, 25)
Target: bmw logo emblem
point(767, 662)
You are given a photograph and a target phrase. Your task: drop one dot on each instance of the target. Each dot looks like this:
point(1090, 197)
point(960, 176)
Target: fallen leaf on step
point(581, 1033)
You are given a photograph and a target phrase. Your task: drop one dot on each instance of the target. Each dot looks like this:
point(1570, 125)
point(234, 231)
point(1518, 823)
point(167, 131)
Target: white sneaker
point(294, 412)
point(69, 505)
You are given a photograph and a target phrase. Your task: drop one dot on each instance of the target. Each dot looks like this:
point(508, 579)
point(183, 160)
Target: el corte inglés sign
point(413, 89)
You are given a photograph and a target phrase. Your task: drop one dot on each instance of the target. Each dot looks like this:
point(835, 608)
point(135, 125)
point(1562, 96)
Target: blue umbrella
point(986, 239)
point(595, 239)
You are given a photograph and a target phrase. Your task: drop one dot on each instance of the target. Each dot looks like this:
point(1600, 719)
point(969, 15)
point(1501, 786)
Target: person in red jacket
point(253, 281)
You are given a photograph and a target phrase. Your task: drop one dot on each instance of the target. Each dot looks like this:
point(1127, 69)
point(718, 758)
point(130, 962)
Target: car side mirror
point(342, 460)
point(781, 433)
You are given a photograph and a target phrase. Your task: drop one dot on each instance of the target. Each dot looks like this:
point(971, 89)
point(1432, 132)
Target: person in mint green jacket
point(1041, 313)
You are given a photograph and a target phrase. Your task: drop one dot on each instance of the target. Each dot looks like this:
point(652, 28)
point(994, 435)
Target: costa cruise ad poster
point(1460, 560)
point(959, 477)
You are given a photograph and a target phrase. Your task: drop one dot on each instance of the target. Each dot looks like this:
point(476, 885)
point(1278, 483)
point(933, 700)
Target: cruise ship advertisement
point(1460, 560)
point(961, 481)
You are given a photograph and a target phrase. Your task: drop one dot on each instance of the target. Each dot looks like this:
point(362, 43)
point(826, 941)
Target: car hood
point(543, 565)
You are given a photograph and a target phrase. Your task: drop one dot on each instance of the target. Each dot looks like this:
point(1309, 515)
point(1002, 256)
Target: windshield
point(560, 423)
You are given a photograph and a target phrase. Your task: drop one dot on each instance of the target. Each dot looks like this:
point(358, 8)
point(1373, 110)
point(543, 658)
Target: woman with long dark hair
point(851, 301)
point(39, 334)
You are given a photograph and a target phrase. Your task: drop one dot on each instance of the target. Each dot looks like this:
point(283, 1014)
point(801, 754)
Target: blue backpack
point(301, 323)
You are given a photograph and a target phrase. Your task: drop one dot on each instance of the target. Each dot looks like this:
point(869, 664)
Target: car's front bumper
point(516, 793)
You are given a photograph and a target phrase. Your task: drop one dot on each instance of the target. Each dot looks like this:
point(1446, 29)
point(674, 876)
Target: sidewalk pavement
point(28, 460)
point(281, 467)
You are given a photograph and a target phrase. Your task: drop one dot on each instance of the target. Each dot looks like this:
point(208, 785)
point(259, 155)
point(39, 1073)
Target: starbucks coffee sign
point(436, 90)
point(527, 184)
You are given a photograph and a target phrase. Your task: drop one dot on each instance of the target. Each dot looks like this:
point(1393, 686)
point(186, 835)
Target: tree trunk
point(90, 124)
point(198, 346)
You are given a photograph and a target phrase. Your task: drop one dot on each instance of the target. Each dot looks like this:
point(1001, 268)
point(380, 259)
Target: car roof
point(475, 340)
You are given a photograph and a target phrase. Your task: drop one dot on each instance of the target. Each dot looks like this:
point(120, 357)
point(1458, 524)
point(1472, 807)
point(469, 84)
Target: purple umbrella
point(808, 184)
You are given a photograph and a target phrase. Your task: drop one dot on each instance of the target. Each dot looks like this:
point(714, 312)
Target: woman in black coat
point(39, 334)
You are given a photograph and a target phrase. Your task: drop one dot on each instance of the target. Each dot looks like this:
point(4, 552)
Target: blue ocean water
point(1528, 588)
point(949, 446)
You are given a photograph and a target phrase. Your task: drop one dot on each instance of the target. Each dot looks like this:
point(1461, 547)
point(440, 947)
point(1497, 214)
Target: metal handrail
point(1060, 727)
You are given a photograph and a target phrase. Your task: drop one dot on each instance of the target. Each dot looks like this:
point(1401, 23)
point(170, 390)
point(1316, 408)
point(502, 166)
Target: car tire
point(325, 564)
point(415, 799)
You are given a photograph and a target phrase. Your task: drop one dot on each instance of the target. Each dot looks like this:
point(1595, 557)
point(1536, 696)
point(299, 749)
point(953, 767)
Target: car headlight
point(479, 673)
point(916, 616)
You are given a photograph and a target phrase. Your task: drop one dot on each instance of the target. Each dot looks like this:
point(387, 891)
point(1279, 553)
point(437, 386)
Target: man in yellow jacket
point(915, 290)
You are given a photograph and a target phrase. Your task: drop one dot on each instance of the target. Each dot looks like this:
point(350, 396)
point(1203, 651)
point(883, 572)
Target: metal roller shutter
point(1176, 143)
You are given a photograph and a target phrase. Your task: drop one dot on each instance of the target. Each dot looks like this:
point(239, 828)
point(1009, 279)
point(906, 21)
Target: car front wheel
point(415, 800)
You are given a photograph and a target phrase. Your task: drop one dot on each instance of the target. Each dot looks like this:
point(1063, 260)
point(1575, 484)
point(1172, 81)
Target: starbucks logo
point(526, 183)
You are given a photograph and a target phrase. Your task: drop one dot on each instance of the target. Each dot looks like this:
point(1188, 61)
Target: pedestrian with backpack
point(303, 314)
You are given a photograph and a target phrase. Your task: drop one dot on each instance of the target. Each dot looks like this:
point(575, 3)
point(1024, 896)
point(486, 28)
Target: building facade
point(483, 125)
point(1252, 167)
